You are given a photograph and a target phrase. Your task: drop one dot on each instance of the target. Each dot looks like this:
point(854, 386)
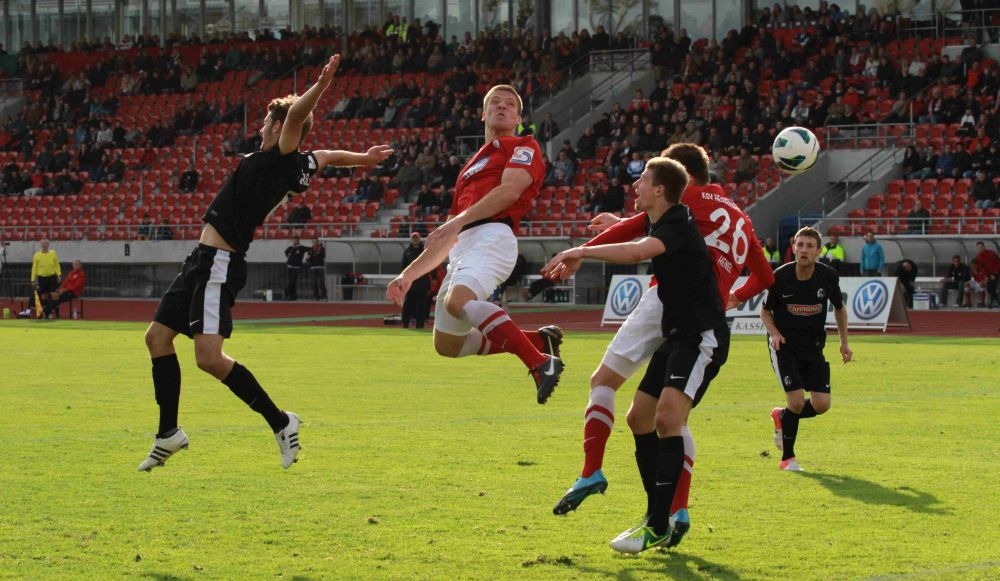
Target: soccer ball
point(795, 150)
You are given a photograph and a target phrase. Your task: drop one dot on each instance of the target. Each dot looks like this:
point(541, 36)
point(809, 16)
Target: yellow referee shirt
point(45, 264)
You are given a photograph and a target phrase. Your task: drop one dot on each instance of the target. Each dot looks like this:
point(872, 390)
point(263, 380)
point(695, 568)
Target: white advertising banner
point(623, 296)
point(872, 302)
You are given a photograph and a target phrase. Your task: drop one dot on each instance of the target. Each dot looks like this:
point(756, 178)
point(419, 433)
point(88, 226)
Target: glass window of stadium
point(64, 22)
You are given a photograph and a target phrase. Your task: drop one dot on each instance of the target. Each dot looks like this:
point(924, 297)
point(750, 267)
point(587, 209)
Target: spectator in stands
point(635, 166)
point(428, 200)
point(961, 162)
point(958, 274)
point(613, 163)
point(316, 259)
point(906, 272)
point(912, 161)
point(586, 145)
point(833, 253)
point(593, 198)
point(772, 253)
point(116, 168)
point(746, 166)
point(562, 172)
point(900, 110)
point(614, 197)
point(188, 181)
point(408, 179)
point(983, 191)
point(918, 219)
point(547, 129)
point(71, 288)
point(872, 256)
point(989, 262)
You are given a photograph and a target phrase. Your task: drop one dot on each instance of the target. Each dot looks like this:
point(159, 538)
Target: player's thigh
point(816, 376)
point(638, 337)
point(694, 360)
point(787, 368)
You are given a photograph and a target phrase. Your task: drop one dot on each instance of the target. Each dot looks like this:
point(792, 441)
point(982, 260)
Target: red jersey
point(728, 234)
point(74, 282)
point(989, 261)
point(484, 170)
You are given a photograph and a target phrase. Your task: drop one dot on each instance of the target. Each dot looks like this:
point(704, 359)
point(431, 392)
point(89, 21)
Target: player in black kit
point(199, 301)
point(693, 324)
point(795, 316)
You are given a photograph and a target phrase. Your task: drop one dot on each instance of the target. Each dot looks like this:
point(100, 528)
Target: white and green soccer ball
point(795, 150)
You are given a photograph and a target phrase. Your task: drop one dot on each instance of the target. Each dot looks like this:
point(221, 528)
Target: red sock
point(683, 486)
point(504, 335)
point(598, 421)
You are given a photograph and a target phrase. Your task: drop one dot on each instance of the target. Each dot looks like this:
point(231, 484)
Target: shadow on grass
point(650, 565)
point(675, 566)
point(875, 493)
point(171, 577)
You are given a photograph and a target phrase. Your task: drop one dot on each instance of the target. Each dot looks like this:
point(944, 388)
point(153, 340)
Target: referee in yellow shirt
point(45, 276)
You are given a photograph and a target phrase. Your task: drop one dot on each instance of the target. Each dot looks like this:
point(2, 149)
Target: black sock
point(242, 383)
point(647, 448)
point(789, 429)
point(167, 388)
point(808, 411)
point(668, 470)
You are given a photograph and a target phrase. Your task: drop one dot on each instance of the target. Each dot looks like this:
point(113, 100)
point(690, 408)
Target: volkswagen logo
point(625, 296)
point(870, 300)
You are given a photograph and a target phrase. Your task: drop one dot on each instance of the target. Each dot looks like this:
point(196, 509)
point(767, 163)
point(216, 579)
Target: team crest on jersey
point(523, 155)
point(820, 294)
point(476, 168)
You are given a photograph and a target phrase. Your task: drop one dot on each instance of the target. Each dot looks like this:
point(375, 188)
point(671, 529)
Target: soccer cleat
point(581, 489)
point(639, 540)
point(790, 465)
point(164, 448)
point(681, 522)
point(546, 377)
point(552, 338)
point(776, 418)
point(288, 441)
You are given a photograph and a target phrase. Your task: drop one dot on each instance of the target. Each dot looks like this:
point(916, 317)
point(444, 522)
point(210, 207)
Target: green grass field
point(418, 467)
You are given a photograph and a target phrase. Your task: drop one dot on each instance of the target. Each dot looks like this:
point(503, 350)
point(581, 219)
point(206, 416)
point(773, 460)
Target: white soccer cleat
point(790, 465)
point(640, 538)
point(164, 448)
point(288, 440)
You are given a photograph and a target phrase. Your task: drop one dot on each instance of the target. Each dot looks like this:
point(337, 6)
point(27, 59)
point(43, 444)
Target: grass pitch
point(418, 467)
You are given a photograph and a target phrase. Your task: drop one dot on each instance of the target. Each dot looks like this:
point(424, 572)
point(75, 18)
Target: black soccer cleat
point(546, 377)
point(552, 338)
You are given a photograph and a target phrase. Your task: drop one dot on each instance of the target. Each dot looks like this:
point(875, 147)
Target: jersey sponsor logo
point(805, 310)
point(475, 168)
point(870, 300)
point(625, 296)
point(523, 155)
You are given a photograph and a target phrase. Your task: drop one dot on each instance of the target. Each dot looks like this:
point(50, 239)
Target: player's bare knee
point(821, 406)
point(795, 406)
point(157, 339)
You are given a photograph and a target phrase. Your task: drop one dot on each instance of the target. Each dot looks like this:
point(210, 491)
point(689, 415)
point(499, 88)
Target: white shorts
point(638, 337)
point(482, 258)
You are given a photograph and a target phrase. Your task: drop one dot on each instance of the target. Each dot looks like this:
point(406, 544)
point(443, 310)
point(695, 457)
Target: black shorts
point(688, 363)
point(48, 284)
point(795, 371)
point(201, 298)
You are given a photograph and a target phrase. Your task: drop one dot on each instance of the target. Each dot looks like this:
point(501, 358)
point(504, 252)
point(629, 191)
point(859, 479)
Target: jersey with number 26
point(729, 236)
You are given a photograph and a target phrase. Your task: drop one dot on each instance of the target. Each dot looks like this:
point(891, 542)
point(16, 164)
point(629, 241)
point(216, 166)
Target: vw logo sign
point(870, 300)
point(625, 296)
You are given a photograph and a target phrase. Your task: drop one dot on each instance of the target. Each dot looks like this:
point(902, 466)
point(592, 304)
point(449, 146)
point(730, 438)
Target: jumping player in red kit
point(732, 245)
point(493, 192)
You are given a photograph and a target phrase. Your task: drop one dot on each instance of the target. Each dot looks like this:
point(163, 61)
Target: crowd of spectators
point(732, 96)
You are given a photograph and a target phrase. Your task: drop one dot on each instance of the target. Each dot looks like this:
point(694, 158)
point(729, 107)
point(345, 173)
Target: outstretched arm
point(621, 231)
point(428, 260)
point(291, 129)
point(761, 277)
point(564, 264)
point(340, 158)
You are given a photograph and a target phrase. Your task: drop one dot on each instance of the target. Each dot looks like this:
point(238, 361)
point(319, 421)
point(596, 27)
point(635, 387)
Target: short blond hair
point(507, 88)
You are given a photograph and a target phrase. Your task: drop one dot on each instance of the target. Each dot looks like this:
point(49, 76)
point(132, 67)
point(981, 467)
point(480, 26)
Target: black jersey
point(799, 307)
point(685, 281)
point(261, 182)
